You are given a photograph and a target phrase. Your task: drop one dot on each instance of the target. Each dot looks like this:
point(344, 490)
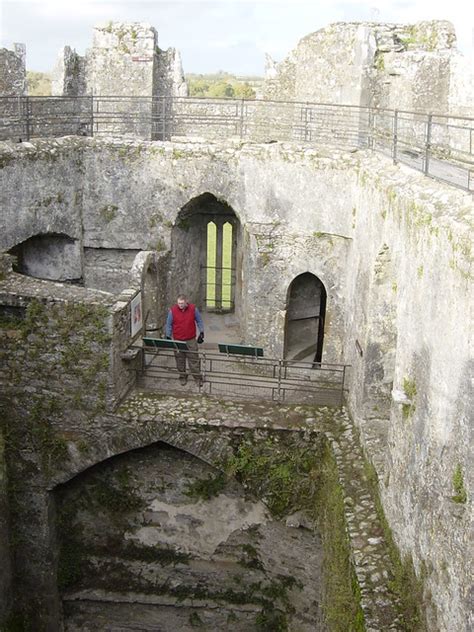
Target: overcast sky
point(231, 35)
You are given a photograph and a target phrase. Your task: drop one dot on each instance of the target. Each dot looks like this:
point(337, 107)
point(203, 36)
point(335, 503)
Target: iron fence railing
point(441, 146)
point(244, 377)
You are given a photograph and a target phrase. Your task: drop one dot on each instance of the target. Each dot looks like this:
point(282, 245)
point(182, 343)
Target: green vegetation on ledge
point(460, 494)
point(295, 475)
point(404, 582)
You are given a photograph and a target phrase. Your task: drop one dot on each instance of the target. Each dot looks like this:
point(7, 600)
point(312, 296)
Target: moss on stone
point(109, 212)
point(460, 494)
point(293, 475)
point(409, 388)
point(204, 489)
point(403, 582)
point(5, 160)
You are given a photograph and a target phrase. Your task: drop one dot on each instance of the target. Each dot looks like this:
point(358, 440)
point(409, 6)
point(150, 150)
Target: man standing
point(181, 325)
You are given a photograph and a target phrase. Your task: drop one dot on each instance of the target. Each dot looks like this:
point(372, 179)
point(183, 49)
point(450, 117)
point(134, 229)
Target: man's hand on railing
point(200, 338)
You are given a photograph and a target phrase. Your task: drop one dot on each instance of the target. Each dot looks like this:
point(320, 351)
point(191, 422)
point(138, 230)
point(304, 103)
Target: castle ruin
point(130, 506)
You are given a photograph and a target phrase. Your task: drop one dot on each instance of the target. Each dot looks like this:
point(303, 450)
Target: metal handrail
point(245, 377)
point(439, 145)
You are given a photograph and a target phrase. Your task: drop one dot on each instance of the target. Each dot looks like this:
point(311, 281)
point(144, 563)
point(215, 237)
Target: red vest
point(184, 325)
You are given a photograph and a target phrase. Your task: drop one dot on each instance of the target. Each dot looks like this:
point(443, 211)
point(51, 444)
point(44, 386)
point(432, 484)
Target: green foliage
point(460, 494)
point(112, 495)
point(379, 62)
point(160, 245)
point(115, 496)
point(204, 489)
point(17, 622)
point(271, 620)
point(5, 160)
point(220, 85)
point(294, 475)
point(109, 212)
point(341, 601)
point(195, 620)
point(251, 558)
point(409, 388)
point(286, 477)
point(72, 555)
point(36, 431)
point(39, 84)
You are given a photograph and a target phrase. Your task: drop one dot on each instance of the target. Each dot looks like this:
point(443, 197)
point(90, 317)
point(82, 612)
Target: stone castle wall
point(409, 294)
point(68, 77)
point(5, 544)
point(124, 61)
point(394, 66)
point(13, 71)
point(390, 247)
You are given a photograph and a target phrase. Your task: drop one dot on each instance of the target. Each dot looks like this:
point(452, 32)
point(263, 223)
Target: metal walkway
point(439, 145)
point(244, 377)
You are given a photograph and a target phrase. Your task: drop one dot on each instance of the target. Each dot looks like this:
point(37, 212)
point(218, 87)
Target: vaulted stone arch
point(205, 262)
point(208, 444)
point(52, 256)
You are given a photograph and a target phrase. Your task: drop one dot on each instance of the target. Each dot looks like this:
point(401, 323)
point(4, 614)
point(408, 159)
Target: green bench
point(246, 350)
point(164, 343)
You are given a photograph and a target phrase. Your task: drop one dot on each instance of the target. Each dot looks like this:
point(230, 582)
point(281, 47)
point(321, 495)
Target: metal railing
point(441, 146)
point(244, 377)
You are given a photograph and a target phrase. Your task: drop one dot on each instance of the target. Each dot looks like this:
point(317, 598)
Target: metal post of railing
point(370, 129)
point(92, 114)
point(164, 117)
point(27, 121)
point(428, 144)
point(203, 364)
point(395, 137)
point(242, 103)
point(279, 379)
point(96, 105)
point(341, 398)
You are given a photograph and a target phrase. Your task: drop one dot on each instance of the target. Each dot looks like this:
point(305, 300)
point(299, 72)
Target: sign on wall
point(136, 314)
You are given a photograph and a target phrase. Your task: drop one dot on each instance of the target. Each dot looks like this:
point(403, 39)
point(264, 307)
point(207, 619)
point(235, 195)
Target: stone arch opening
point(51, 256)
point(205, 254)
point(305, 314)
point(143, 540)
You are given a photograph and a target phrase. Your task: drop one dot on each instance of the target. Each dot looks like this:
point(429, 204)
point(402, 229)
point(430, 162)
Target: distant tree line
point(222, 85)
point(39, 84)
point(218, 85)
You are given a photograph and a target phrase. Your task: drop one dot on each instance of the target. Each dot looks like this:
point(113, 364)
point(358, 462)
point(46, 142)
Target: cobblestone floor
point(369, 548)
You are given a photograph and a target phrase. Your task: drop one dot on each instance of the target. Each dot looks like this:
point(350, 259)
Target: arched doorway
point(205, 259)
point(305, 313)
point(51, 256)
point(155, 538)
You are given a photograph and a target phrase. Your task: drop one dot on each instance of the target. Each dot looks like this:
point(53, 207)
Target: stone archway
point(305, 314)
point(205, 254)
point(51, 256)
point(156, 534)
